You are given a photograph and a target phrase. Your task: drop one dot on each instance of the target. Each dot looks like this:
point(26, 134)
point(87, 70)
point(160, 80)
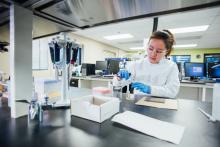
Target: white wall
point(4, 33)
point(50, 72)
point(93, 51)
point(4, 57)
point(4, 62)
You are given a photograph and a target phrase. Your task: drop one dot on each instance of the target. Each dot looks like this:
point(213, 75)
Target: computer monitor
point(101, 65)
point(194, 70)
point(179, 65)
point(213, 69)
point(113, 66)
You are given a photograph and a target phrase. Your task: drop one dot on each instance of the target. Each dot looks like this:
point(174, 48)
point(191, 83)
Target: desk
point(193, 91)
point(197, 91)
point(89, 82)
point(59, 129)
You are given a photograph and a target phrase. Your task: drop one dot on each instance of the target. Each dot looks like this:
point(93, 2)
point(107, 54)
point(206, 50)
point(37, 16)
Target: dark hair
point(167, 38)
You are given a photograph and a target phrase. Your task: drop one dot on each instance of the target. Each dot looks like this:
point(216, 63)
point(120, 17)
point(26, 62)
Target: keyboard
point(107, 77)
point(110, 76)
point(209, 81)
point(95, 76)
point(192, 82)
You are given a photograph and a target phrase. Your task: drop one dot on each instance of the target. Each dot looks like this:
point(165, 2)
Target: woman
point(155, 75)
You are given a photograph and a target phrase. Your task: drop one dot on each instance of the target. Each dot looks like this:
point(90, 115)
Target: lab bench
point(90, 82)
point(59, 129)
point(194, 91)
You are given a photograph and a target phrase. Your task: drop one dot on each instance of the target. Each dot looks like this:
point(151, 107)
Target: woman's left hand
point(141, 87)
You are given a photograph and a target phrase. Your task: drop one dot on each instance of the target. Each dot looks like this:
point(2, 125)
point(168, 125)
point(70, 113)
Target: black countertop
point(59, 129)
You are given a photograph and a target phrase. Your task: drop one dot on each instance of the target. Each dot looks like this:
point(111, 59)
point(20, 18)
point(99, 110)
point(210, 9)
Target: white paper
point(150, 126)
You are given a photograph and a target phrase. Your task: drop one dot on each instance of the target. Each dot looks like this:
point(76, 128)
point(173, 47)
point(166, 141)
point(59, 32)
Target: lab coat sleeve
point(171, 87)
point(130, 67)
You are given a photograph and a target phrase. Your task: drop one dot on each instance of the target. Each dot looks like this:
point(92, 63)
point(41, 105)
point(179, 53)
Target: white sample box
point(95, 108)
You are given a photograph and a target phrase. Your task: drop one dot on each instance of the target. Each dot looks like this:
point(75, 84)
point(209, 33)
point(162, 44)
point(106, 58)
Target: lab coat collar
point(163, 60)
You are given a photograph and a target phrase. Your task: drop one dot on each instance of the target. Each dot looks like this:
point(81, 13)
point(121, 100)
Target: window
point(40, 54)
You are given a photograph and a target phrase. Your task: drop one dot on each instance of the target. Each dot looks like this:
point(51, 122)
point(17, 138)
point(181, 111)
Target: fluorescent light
point(185, 45)
point(189, 29)
point(118, 36)
point(137, 48)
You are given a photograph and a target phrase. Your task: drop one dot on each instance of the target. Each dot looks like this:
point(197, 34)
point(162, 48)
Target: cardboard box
point(95, 108)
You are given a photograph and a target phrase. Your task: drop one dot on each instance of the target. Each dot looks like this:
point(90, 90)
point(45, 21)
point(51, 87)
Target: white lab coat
point(162, 77)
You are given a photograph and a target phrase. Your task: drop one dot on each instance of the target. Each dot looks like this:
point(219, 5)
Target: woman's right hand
point(123, 74)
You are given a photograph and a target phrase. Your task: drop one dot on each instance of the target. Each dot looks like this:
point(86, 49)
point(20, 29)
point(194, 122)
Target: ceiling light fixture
point(137, 48)
point(119, 36)
point(185, 45)
point(189, 29)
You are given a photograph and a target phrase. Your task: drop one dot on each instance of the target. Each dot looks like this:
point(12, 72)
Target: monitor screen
point(213, 70)
point(194, 69)
point(113, 66)
point(179, 65)
point(101, 65)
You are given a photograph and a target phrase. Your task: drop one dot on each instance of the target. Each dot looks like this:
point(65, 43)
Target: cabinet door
point(74, 82)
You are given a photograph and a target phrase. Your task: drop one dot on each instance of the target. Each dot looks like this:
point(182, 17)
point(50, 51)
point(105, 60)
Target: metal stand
point(64, 102)
point(210, 117)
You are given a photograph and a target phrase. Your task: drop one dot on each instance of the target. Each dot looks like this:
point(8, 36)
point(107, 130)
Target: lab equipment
point(194, 70)
point(76, 70)
point(141, 87)
point(101, 65)
point(49, 88)
point(123, 82)
point(88, 69)
point(74, 54)
point(213, 69)
point(61, 49)
point(33, 110)
point(119, 84)
point(68, 52)
point(113, 66)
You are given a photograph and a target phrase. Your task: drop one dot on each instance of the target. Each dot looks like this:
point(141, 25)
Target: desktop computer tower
point(88, 69)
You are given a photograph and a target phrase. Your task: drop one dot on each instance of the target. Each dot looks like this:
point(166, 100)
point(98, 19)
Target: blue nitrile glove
point(142, 87)
point(124, 74)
